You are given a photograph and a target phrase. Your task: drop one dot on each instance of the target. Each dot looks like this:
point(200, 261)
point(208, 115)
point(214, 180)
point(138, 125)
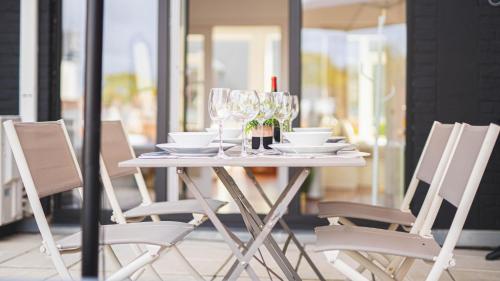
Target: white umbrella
point(351, 14)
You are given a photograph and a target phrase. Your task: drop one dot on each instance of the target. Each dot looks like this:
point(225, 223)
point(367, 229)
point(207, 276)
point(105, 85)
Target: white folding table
point(259, 229)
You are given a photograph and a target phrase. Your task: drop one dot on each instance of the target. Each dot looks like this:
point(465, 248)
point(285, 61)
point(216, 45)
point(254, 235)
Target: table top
point(341, 160)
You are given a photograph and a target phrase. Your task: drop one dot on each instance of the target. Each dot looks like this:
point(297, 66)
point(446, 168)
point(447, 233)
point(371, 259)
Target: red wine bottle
point(274, 89)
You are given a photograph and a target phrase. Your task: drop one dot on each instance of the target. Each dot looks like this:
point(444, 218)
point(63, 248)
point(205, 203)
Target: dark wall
point(454, 76)
point(48, 61)
point(9, 57)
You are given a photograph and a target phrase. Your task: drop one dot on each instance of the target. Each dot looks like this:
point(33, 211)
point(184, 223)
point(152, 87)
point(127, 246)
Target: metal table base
point(286, 228)
point(260, 230)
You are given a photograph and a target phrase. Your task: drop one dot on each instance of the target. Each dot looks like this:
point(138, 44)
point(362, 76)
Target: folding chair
point(48, 165)
point(458, 185)
point(116, 148)
point(338, 212)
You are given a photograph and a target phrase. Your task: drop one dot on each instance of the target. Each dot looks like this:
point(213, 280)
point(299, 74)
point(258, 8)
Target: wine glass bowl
point(295, 111)
point(219, 110)
point(283, 112)
point(267, 109)
point(244, 105)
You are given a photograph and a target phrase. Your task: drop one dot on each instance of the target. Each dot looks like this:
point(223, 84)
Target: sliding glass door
point(238, 45)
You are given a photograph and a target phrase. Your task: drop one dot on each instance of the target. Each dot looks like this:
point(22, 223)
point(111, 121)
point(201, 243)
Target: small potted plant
point(266, 133)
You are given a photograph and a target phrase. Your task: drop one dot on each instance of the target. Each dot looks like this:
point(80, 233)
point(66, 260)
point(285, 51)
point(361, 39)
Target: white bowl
point(227, 133)
point(193, 139)
point(313, 129)
point(307, 138)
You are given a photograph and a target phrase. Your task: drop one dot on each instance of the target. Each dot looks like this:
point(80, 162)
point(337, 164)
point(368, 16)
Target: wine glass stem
point(243, 140)
point(221, 151)
point(281, 131)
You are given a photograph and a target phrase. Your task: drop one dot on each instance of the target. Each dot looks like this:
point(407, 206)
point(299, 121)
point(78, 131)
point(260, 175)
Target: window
point(340, 61)
point(129, 67)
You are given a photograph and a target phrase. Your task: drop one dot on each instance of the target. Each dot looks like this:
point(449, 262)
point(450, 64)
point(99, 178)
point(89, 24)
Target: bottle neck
point(274, 84)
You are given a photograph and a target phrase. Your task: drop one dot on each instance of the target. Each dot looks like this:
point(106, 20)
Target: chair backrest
point(459, 184)
point(461, 164)
point(47, 165)
point(49, 157)
point(429, 160)
point(115, 148)
point(433, 152)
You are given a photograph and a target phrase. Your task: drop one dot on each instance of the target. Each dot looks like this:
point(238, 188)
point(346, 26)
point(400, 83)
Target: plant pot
point(256, 136)
point(276, 133)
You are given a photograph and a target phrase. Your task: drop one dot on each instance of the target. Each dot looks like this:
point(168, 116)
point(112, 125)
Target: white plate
point(229, 140)
point(178, 148)
point(320, 149)
point(194, 154)
point(313, 129)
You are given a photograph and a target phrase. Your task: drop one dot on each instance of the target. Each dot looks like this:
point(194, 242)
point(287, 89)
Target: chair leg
point(60, 265)
point(348, 271)
point(196, 275)
point(131, 268)
point(370, 266)
point(111, 256)
point(136, 249)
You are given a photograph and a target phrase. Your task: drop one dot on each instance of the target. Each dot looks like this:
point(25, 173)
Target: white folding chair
point(338, 212)
point(462, 174)
point(116, 148)
point(48, 165)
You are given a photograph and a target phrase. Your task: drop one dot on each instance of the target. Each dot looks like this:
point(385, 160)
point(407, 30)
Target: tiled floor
point(20, 259)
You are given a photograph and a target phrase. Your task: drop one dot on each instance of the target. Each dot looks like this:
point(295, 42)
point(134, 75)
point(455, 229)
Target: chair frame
point(118, 214)
point(390, 262)
point(119, 217)
point(412, 187)
point(444, 259)
point(49, 245)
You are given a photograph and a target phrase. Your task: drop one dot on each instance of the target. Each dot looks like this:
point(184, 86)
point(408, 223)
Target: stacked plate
point(311, 141)
point(193, 144)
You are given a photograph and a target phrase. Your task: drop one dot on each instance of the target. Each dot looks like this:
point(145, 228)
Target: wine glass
point(219, 109)
point(244, 106)
point(266, 111)
point(295, 111)
point(283, 102)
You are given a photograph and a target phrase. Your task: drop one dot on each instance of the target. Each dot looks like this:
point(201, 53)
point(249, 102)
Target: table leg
point(217, 223)
point(264, 228)
point(242, 245)
point(254, 224)
point(285, 227)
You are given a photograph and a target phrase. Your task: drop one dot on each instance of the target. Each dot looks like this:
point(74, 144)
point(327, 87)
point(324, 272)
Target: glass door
point(129, 78)
point(231, 46)
point(340, 58)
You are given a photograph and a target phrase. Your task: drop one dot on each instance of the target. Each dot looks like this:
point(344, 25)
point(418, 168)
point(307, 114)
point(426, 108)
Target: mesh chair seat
point(365, 239)
point(188, 206)
point(365, 211)
point(164, 233)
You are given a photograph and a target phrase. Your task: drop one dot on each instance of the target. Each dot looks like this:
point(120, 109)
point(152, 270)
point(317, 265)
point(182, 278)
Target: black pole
point(91, 138)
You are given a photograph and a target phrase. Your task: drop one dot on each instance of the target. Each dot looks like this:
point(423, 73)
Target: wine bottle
point(276, 129)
